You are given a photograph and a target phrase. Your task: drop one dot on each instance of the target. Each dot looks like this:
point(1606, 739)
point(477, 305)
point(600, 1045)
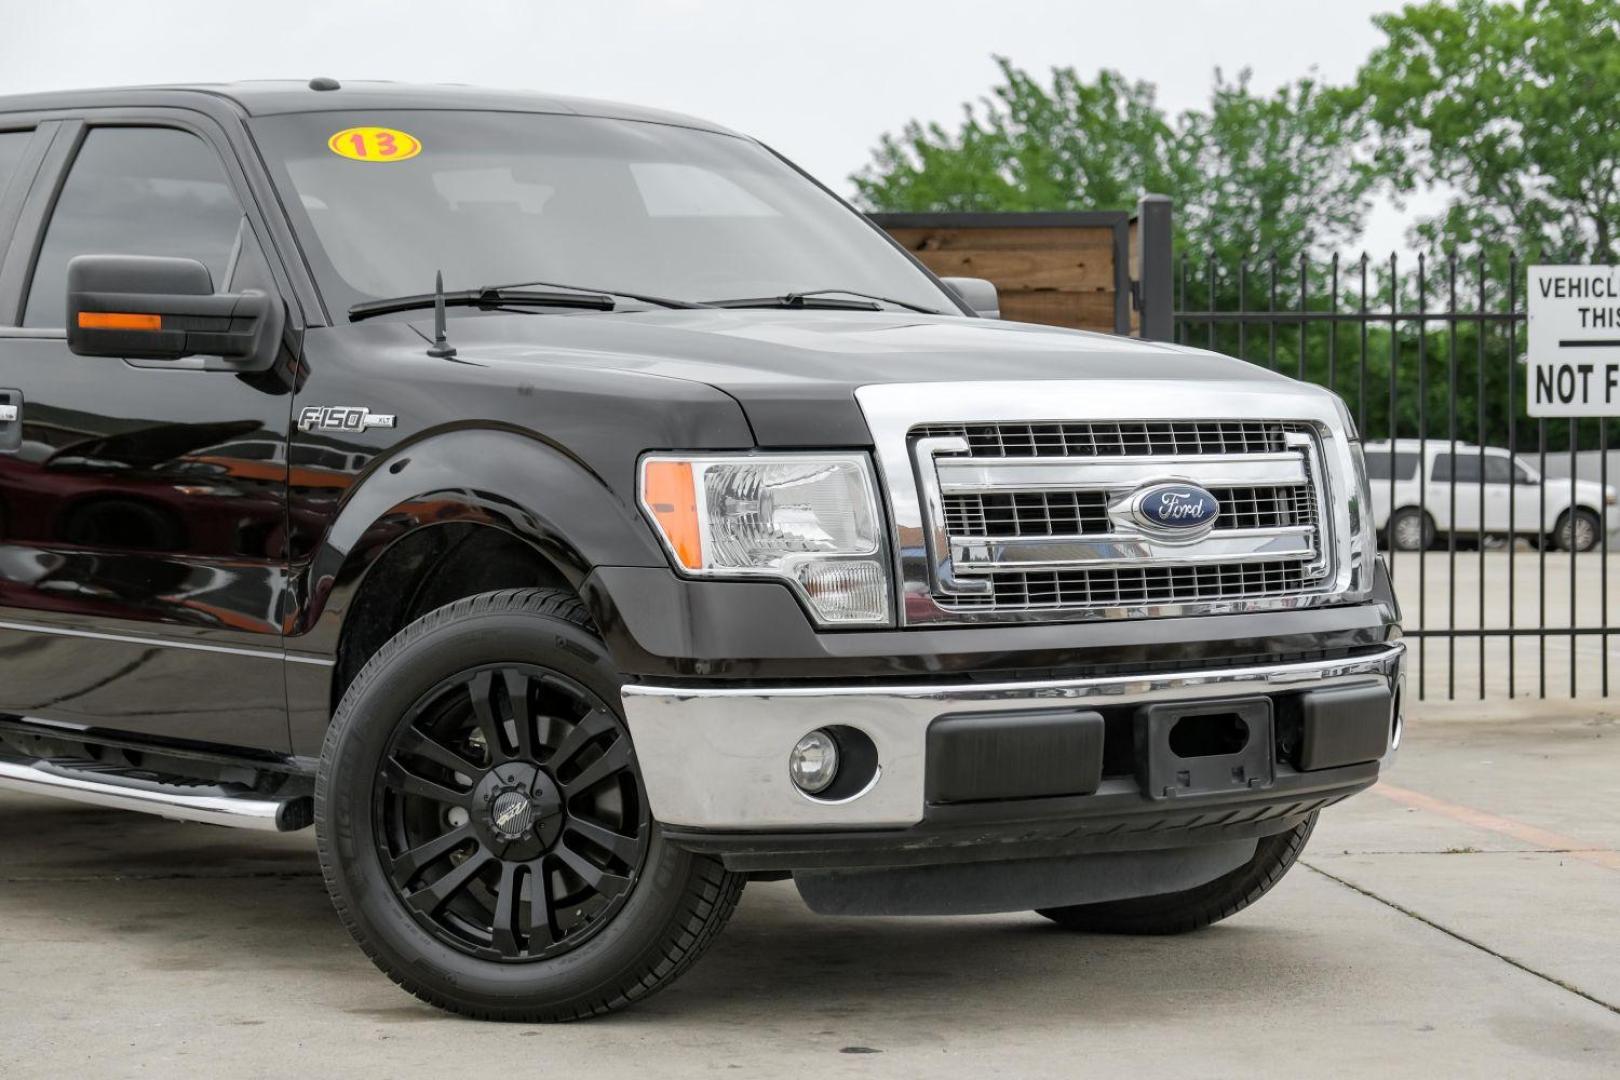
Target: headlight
point(1362, 526)
point(811, 520)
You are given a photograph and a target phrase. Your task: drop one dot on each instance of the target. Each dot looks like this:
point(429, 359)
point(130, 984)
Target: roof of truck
point(270, 97)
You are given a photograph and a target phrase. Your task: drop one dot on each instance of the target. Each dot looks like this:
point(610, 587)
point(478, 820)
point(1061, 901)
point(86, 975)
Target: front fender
point(495, 477)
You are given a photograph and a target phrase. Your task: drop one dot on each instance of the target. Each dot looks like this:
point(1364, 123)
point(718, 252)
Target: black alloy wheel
point(482, 824)
point(509, 814)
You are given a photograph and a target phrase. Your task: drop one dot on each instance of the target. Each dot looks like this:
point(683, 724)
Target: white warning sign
point(1574, 340)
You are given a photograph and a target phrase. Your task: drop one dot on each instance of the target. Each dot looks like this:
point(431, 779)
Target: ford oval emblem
point(1181, 511)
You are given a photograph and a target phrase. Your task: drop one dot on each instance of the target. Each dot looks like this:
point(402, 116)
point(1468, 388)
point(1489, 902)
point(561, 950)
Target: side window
point(135, 191)
point(1498, 469)
point(12, 145)
point(1464, 470)
point(1378, 465)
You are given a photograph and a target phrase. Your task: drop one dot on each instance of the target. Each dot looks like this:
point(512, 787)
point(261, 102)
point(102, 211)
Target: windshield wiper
point(825, 298)
point(656, 301)
point(489, 298)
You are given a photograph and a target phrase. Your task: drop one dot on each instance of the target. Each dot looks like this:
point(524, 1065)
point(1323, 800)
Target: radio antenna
point(441, 349)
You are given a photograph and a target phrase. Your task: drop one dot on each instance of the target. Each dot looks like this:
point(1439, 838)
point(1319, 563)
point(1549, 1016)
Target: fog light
point(814, 762)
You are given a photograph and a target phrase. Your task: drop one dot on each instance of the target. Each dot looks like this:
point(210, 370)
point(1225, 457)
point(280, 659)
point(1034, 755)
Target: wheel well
point(424, 571)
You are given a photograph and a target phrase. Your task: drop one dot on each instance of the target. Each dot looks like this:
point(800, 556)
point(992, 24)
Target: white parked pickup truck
point(1480, 490)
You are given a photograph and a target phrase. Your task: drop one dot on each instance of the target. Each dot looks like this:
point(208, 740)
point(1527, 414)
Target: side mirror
point(141, 307)
point(978, 294)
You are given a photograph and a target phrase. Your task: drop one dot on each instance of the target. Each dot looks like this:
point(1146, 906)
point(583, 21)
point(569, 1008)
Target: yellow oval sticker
point(374, 144)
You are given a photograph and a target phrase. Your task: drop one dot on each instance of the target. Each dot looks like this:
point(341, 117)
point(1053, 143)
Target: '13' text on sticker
point(374, 144)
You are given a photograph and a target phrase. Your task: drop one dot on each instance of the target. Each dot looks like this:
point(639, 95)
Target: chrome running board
point(206, 803)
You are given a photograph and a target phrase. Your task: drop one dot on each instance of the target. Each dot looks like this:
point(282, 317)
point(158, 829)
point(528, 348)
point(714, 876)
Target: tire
point(1196, 908)
point(1587, 530)
point(482, 827)
point(1410, 529)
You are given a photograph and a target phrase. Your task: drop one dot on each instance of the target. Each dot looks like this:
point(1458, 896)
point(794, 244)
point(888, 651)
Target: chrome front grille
point(1034, 517)
point(1011, 500)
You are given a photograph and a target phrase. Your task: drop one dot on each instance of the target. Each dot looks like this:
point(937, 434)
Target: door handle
point(11, 402)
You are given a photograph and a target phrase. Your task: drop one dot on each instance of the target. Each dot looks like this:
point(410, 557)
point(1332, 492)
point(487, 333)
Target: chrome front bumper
point(717, 758)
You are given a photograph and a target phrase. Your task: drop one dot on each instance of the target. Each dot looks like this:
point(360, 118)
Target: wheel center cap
point(512, 815)
point(518, 810)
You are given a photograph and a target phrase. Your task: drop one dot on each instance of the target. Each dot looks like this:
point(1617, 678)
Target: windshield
point(383, 200)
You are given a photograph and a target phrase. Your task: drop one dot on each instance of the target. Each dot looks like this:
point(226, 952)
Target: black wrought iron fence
point(1498, 543)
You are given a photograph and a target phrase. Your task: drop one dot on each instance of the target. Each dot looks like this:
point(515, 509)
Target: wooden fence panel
point(1062, 269)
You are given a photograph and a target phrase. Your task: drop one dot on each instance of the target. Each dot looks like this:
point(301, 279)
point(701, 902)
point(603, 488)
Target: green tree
point(1250, 175)
point(1071, 146)
point(1511, 108)
point(1271, 174)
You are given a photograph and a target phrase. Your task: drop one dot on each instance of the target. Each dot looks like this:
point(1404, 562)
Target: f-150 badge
point(342, 418)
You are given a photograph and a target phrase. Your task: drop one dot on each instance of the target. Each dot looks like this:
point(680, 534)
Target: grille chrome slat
point(1139, 586)
point(969, 474)
point(1075, 513)
point(1093, 439)
point(1110, 549)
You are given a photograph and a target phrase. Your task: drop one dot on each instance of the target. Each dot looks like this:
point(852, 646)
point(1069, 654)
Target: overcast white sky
point(820, 81)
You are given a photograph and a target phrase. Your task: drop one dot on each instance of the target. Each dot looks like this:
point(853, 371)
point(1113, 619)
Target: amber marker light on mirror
point(671, 496)
point(118, 320)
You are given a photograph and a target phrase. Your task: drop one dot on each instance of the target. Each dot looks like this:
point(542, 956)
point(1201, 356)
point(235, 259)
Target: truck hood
point(795, 372)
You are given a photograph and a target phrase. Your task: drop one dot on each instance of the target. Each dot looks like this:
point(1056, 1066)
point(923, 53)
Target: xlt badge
point(342, 418)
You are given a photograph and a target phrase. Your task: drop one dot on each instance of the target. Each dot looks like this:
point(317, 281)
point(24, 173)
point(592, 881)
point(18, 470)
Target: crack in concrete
point(1465, 939)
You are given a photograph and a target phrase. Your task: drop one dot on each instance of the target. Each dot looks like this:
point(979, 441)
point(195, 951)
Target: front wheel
point(482, 825)
point(1198, 907)
point(1579, 530)
point(1410, 529)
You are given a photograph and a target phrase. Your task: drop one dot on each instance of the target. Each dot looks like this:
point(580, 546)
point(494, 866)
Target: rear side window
point(12, 144)
point(1464, 470)
point(135, 191)
point(1378, 465)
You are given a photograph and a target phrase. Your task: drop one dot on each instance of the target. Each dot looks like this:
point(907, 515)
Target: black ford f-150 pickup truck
point(686, 531)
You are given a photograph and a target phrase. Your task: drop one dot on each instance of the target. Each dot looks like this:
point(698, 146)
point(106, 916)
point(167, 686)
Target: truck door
point(142, 539)
point(1448, 477)
point(1498, 486)
point(1525, 501)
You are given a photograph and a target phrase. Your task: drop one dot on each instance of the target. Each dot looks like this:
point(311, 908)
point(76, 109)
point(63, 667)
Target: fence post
point(1152, 285)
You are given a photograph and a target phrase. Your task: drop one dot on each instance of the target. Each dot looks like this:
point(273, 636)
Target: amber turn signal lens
point(118, 320)
point(671, 495)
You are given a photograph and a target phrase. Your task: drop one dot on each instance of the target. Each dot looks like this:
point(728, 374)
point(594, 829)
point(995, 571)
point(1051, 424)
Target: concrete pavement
point(1464, 922)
